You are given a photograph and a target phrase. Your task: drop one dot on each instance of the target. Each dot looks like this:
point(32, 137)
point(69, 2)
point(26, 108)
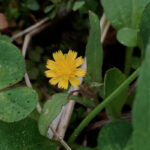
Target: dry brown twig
point(101, 123)
point(31, 28)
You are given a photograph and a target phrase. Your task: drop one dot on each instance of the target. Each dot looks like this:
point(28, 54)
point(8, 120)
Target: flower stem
point(111, 97)
point(128, 59)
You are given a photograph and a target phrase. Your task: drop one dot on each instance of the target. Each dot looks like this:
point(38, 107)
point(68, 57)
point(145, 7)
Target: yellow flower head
point(65, 69)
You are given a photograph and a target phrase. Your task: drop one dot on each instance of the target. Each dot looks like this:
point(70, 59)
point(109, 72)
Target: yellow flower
point(65, 69)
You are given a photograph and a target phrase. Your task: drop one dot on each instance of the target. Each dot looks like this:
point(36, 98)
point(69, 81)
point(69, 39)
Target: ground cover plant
point(74, 74)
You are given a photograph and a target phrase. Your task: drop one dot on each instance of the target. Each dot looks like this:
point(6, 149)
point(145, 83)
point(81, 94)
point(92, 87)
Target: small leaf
point(12, 64)
point(52, 14)
point(83, 101)
point(48, 8)
point(94, 50)
point(17, 103)
point(127, 37)
point(77, 5)
point(113, 78)
point(50, 111)
point(33, 73)
point(69, 4)
point(136, 62)
point(115, 135)
point(34, 56)
point(33, 5)
point(23, 135)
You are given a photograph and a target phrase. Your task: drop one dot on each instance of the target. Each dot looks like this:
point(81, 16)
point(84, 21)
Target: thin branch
point(100, 124)
point(31, 28)
point(104, 25)
point(60, 139)
point(133, 87)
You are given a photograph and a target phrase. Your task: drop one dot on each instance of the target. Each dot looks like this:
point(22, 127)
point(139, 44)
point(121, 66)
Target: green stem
point(111, 97)
point(128, 59)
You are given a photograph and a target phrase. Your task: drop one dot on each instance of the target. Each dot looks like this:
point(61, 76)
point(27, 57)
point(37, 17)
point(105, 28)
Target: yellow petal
point(80, 72)
point(71, 55)
point(58, 56)
point(54, 81)
point(79, 61)
point(50, 64)
point(50, 73)
point(74, 81)
point(63, 84)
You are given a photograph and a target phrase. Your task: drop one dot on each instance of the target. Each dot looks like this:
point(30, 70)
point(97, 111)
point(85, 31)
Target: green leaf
point(48, 8)
point(83, 101)
point(119, 12)
point(23, 135)
point(138, 7)
point(34, 56)
point(145, 28)
point(94, 50)
point(77, 5)
point(114, 136)
point(129, 145)
point(128, 37)
point(33, 5)
point(17, 103)
point(50, 111)
point(124, 13)
point(141, 107)
point(12, 65)
point(5, 38)
point(52, 14)
point(113, 78)
point(33, 73)
point(136, 62)
point(69, 4)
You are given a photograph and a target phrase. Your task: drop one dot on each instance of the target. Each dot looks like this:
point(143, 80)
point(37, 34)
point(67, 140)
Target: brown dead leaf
point(3, 22)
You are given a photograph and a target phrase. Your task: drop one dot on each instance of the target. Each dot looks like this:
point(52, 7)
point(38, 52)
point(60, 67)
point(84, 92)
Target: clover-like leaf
point(12, 65)
point(23, 135)
point(17, 103)
point(128, 37)
point(115, 136)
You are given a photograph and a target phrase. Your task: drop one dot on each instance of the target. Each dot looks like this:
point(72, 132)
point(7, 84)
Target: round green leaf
point(115, 135)
point(23, 135)
point(12, 64)
point(127, 37)
point(17, 103)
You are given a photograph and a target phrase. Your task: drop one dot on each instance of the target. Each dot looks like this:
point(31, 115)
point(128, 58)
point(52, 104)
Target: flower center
point(65, 70)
